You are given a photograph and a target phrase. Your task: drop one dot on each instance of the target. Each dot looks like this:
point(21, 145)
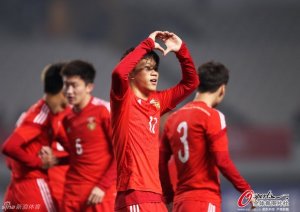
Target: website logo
point(263, 201)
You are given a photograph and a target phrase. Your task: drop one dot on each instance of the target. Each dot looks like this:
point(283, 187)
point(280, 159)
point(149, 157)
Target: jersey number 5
point(182, 128)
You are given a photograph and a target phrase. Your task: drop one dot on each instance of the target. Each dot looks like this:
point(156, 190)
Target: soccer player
point(29, 185)
point(196, 136)
point(136, 109)
point(90, 180)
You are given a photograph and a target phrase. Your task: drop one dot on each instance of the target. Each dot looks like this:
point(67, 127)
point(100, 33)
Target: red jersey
point(34, 130)
point(196, 135)
point(91, 154)
point(135, 122)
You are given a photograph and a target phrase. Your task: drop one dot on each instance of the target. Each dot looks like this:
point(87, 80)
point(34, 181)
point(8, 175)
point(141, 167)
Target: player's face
point(145, 76)
point(63, 102)
point(59, 103)
point(77, 91)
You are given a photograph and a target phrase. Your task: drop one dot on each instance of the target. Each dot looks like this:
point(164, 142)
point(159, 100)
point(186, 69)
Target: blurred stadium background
point(257, 40)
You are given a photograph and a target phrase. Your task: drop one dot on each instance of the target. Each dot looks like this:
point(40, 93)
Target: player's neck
point(140, 94)
point(83, 103)
point(207, 98)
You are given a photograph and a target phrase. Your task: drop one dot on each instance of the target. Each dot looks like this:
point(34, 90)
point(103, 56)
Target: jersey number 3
point(182, 128)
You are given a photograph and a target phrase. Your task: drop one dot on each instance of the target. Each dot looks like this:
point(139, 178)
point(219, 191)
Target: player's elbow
point(11, 143)
point(5, 148)
point(117, 74)
point(194, 84)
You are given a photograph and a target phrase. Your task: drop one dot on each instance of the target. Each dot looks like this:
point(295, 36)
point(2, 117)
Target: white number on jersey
point(152, 123)
point(78, 146)
point(183, 129)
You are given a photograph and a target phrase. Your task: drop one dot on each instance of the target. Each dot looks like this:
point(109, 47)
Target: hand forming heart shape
point(171, 40)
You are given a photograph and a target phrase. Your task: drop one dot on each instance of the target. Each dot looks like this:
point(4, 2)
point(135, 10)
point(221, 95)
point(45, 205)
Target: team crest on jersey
point(155, 103)
point(91, 125)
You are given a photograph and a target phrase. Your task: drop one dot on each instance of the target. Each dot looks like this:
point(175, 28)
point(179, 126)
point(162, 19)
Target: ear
point(222, 90)
point(90, 87)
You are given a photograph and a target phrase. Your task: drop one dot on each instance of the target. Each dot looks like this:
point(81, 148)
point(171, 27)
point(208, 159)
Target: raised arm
point(189, 81)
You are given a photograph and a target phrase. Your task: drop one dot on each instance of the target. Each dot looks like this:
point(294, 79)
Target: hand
point(160, 35)
point(172, 41)
point(96, 196)
point(47, 157)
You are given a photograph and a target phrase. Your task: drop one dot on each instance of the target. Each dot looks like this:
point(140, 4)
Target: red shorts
point(56, 176)
point(75, 206)
point(28, 195)
point(145, 207)
point(190, 205)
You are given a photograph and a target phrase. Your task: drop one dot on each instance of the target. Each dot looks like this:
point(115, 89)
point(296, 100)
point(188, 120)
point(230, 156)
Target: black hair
point(52, 79)
point(152, 54)
point(212, 75)
point(84, 70)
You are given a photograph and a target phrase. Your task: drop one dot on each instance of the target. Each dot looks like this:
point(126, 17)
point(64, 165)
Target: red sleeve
point(229, 170)
point(109, 176)
point(111, 173)
point(218, 145)
point(190, 81)
point(165, 153)
point(12, 147)
point(126, 65)
point(216, 132)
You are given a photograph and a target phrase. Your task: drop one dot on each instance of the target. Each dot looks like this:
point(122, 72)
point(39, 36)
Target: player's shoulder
point(218, 117)
point(197, 108)
point(100, 103)
point(38, 113)
point(217, 113)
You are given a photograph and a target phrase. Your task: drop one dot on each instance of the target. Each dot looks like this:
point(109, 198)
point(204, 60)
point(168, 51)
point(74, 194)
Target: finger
point(43, 151)
point(46, 150)
point(89, 201)
point(95, 200)
point(98, 200)
point(154, 34)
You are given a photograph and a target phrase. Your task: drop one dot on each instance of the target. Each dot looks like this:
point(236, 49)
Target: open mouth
point(153, 80)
